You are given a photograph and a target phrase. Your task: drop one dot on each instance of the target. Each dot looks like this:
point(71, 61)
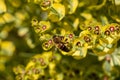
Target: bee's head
point(57, 39)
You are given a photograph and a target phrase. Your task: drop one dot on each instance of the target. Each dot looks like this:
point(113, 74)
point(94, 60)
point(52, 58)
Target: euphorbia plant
point(63, 39)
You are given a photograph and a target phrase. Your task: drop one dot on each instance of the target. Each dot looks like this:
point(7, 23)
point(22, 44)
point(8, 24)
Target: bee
point(58, 40)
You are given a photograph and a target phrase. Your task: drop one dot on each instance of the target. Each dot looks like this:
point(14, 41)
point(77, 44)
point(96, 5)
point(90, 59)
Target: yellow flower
point(46, 4)
point(44, 26)
point(79, 48)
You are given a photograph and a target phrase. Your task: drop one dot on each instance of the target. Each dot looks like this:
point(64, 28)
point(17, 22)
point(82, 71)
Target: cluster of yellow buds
point(101, 39)
point(36, 67)
point(56, 9)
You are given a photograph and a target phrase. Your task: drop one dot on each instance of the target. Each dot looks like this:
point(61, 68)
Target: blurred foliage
point(59, 39)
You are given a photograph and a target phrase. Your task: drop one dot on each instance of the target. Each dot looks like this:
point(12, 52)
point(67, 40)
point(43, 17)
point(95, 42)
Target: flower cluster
point(33, 33)
point(101, 39)
point(36, 68)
